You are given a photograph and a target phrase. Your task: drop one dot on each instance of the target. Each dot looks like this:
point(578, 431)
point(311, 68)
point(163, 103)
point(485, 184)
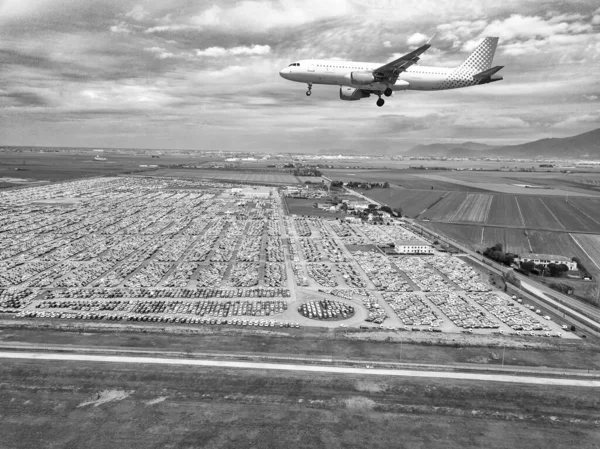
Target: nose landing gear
point(309, 91)
point(380, 102)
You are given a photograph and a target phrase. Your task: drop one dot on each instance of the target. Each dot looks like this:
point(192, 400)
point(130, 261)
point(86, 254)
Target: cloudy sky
point(204, 75)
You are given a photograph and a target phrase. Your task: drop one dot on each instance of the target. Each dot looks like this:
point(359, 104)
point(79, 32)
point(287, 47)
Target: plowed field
point(504, 211)
point(570, 215)
point(537, 215)
point(446, 206)
point(412, 202)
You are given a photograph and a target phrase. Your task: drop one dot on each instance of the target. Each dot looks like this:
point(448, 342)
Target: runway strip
point(304, 368)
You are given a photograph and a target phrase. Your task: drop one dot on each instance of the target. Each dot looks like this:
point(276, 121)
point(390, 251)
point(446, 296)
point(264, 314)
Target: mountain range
point(586, 145)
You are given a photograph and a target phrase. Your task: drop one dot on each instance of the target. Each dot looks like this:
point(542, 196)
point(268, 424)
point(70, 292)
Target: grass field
point(65, 165)
point(570, 215)
point(232, 176)
point(591, 245)
point(301, 206)
point(537, 215)
point(513, 240)
point(448, 205)
point(474, 208)
point(56, 405)
point(469, 235)
point(588, 206)
point(504, 211)
point(412, 202)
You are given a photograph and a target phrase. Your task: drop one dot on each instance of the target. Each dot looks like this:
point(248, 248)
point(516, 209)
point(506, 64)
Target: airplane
point(359, 80)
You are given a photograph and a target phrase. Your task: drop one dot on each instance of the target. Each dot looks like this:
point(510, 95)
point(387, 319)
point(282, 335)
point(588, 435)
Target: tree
point(386, 185)
point(387, 209)
point(372, 207)
point(398, 210)
point(528, 266)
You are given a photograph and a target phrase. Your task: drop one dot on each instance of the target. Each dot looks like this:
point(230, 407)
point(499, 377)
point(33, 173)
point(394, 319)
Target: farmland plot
point(591, 245)
point(449, 204)
point(570, 216)
point(474, 208)
point(469, 235)
point(504, 211)
point(512, 240)
point(412, 202)
point(588, 206)
point(536, 215)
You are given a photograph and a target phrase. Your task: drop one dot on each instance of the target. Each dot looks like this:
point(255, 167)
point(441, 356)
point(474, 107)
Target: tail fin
point(481, 58)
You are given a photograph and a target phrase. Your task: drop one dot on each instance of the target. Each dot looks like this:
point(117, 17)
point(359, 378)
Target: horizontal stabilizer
point(487, 74)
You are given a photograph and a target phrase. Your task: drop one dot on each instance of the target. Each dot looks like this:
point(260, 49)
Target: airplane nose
point(284, 73)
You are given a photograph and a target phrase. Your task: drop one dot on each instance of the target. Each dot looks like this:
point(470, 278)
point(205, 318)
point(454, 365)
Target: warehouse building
point(413, 247)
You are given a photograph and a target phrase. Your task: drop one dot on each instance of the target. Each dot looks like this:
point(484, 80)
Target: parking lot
point(164, 249)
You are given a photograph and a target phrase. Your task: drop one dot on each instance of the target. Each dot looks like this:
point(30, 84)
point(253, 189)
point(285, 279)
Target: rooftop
point(545, 257)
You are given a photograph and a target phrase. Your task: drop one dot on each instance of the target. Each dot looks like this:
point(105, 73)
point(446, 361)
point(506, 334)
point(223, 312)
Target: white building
point(547, 259)
point(413, 247)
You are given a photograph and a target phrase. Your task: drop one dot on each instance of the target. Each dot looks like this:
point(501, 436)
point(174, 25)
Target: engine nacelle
point(352, 94)
point(362, 78)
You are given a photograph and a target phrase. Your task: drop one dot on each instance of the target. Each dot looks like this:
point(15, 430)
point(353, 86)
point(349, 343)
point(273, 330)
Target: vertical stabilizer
point(481, 58)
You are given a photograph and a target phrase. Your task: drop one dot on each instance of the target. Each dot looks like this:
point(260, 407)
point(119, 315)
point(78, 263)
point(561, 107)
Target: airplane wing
point(391, 70)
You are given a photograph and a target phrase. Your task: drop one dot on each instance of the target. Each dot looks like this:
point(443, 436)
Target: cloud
point(140, 73)
point(254, 50)
point(416, 39)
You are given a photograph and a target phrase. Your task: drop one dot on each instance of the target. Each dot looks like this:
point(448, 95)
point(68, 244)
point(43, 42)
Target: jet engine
point(362, 78)
point(352, 94)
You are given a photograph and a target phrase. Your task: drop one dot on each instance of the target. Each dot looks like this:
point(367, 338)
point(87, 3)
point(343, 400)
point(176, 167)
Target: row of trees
point(497, 253)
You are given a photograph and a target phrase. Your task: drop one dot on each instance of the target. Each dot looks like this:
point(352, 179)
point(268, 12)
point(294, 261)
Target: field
point(562, 244)
point(302, 206)
point(482, 237)
point(589, 207)
point(412, 202)
point(448, 205)
point(591, 245)
point(474, 208)
point(76, 164)
point(230, 176)
point(504, 211)
point(469, 235)
point(571, 216)
point(537, 215)
point(106, 406)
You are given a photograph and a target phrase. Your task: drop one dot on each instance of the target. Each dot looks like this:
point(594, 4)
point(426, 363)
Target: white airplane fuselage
point(416, 77)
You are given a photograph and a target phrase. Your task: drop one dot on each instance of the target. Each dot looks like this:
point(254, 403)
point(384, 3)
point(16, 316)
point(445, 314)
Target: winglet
point(431, 38)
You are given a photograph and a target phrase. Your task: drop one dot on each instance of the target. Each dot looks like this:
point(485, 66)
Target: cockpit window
point(294, 64)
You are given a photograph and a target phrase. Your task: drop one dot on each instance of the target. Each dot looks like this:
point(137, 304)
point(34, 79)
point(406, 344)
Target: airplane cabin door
point(311, 67)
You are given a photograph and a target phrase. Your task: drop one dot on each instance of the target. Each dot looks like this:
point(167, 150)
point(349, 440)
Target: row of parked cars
point(461, 312)
point(202, 308)
point(150, 293)
point(156, 318)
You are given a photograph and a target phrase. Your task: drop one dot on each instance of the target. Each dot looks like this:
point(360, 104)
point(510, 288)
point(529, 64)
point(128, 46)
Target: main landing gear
point(387, 92)
point(309, 91)
point(380, 102)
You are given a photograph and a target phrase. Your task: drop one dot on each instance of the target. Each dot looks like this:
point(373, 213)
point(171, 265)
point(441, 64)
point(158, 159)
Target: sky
point(188, 74)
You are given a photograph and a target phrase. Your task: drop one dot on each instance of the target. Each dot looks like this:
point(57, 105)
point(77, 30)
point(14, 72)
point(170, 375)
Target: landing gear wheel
point(309, 91)
point(380, 102)
point(387, 92)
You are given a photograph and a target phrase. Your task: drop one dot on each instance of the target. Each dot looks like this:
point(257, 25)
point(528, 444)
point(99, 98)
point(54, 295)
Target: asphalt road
point(305, 368)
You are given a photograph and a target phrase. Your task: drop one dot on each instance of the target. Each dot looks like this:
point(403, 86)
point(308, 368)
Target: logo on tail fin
point(481, 58)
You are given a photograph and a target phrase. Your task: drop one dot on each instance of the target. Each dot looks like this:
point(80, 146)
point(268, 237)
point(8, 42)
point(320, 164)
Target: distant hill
point(586, 145)
point(465, 149)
